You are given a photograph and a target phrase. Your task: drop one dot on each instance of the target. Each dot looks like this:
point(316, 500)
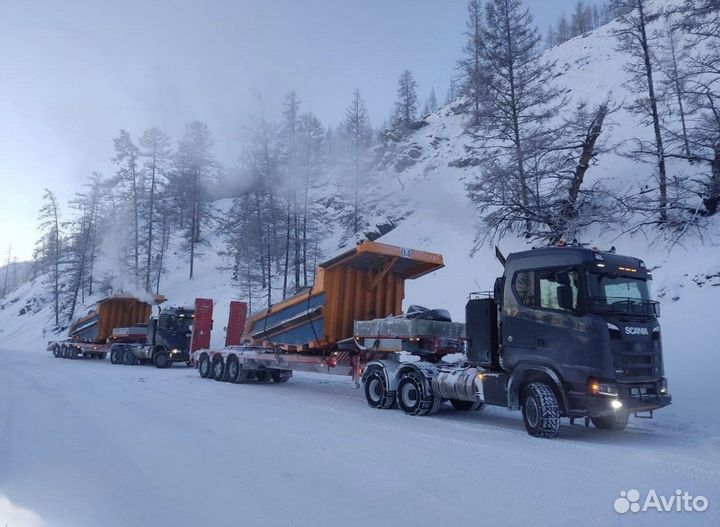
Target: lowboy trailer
point(568, 331)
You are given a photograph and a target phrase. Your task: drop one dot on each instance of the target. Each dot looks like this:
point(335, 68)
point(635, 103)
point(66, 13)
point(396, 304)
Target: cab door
point(563, 331)
point(518, 321)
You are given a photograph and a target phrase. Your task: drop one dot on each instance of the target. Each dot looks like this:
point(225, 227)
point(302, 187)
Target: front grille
point(636, 360)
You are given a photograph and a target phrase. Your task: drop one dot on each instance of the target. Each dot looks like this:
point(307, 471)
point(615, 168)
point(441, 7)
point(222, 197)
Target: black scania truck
point(568, 331)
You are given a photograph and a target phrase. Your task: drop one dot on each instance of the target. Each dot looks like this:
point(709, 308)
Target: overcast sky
point(72, 73)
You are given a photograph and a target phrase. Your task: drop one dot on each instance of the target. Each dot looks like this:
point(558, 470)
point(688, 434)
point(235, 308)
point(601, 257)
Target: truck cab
point(170, 333)
point(584, 322)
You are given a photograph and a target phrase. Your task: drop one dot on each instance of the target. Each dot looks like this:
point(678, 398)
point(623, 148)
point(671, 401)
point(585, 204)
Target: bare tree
point(50, 249)
point(636, 41)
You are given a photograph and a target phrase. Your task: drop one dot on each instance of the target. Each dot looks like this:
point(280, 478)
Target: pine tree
point(406, 104)
point(127, 157)
point(194, 164)
point(471, 66)
point(155, 150)
point(431, 104)
point(357, 132)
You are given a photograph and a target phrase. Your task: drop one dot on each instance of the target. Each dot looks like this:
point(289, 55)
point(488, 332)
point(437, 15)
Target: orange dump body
point(117, 311)
point(363, 283)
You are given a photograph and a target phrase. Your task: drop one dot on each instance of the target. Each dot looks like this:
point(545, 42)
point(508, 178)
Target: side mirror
point(565, 297)
point(498, 289)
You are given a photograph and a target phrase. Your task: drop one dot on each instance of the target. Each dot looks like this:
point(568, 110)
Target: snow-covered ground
point(88, 443)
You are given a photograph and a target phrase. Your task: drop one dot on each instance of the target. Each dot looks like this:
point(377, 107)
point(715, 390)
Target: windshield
point(623, 294)
point(182, 324)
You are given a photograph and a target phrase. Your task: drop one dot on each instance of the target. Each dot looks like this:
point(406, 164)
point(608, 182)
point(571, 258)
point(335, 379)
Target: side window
point(524, 287)
point(559, 289)
point(164, 322)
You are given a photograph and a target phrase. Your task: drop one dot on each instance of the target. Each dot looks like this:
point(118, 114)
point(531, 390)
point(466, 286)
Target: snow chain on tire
point(540, 410)
point(424, 403)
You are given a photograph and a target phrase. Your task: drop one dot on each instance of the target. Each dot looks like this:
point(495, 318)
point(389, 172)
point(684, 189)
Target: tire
point(128, 357)
point(616, 421)
point(466, 406)
point(376, 390)
point(540, 410)
point(63, 351)
point(415, 396)
point(218, 367)
point(204, 366)
point(161, 360)
point(115, 356)
point(102, 355)
point(56, 351)
point(280, 376)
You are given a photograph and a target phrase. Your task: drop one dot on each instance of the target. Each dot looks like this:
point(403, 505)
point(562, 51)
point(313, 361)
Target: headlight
point(603, 388)
point(663, 386)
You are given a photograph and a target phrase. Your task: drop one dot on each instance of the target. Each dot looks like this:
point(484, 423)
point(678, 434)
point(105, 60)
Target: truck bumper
point(633, 399)
point(179, 356)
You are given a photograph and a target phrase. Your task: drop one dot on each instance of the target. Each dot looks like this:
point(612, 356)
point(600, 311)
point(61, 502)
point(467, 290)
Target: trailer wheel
point(466, 406)
point(415, 396)
point(616, 421)
point(280, 376)
point(63, 351)
point(56, 351)
point(218, 368)
point(204, 366)
point(376, 390)
point(235, 372)
point(161, 360)
point(540, 410)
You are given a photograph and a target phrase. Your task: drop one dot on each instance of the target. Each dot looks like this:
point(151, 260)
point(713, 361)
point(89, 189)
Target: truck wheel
point(376, 390)
point(280, 376)
point(204, 366)
point(63, 352)
point(611, 422)
point(161, 360)
point(415, 396)
point(540, 410)
point(102, 355)
point(128, 357)
point(218, 368)
point(56, 351)
point(115, 356)
point(466, 406)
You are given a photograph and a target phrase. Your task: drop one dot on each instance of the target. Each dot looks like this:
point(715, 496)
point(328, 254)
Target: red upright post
point(236, 323)
point(202, 324)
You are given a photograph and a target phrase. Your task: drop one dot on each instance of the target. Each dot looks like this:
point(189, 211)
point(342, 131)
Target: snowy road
point(87, 443)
